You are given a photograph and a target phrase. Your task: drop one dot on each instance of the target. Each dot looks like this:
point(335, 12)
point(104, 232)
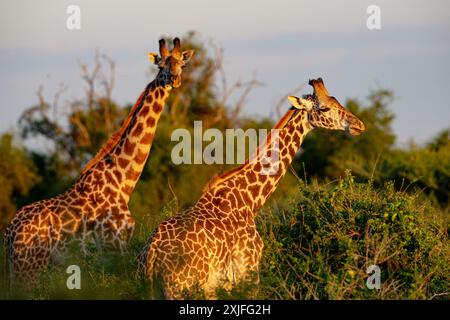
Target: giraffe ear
point(299, 103)
point(154, 58)
point(187, 55)
point(296, 102)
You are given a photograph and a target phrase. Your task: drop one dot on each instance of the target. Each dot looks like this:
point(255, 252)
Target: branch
point(282, 100)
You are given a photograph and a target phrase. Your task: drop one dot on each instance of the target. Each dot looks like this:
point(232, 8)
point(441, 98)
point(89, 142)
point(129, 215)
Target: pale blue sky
point(283, 42)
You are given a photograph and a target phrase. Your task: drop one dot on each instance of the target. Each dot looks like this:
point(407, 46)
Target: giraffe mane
point(222, 177)
point(114, 139)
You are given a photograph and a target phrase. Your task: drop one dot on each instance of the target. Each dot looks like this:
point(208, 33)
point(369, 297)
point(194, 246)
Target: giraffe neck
point(119, 164)
point(256, 180)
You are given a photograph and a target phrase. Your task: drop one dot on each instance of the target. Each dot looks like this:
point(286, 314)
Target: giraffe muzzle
point(357, 128)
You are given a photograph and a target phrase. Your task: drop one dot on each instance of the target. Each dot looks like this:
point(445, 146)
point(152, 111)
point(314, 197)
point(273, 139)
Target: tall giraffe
point(96, 206)
point(215, 242)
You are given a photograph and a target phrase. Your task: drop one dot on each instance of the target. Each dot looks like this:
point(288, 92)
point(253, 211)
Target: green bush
point(426, 169)
point(320, 248)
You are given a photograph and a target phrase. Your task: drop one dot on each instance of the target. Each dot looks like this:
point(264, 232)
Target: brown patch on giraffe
point(241, 182)
point(224, 206)
point(96, 198)
point(301, 128)
point(100, 166)
point(149, 98)
point(127, 189)
point(132, 174)
point(110, 179)
point(147, 138)
point(241, 232)
point(157, 107)
point(138, 130)
point(123, 206)
point(208, 225)
point(254, 190)
point(144, 111)
point(280, 144)
point(116, 214)
point(118, 175)
point(140, 157)
point(79, 202)
point(110, 194)
point(267, 188)
point(251, 176)
point(97, 183)
point(123, 163)
point(80, 188)
point(238, 196)
point(246, 197)
point(287, 161)
point(296, 137)
point(262, 178)
point(287, 139)
point(156, 93)
point(201, 236)
point(151, 121)
point(218, 233)
point(292, 149)
point(129, 147)
point(192, 236)
point(216, 201)
point(233, 200)
point(182, 234)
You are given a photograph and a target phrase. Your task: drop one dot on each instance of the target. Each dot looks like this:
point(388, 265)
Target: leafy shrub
point(321, 247)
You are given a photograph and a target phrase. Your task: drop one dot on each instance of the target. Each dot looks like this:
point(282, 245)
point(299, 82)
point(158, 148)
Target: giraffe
point(95, 208)
point(215, 243)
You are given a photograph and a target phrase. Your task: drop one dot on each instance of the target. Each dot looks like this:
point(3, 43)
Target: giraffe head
point(326, 112)
point(171, 63)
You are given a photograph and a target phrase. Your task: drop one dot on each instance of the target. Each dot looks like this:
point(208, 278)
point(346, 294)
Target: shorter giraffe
point(215, 243)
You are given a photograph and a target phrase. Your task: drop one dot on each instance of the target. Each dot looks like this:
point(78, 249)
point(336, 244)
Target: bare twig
point(91, 78)
point(281, 102)
point(247, 88)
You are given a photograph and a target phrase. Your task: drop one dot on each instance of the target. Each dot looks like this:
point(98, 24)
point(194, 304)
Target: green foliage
point(17, 175)
point(320, 248)
point(426, 169)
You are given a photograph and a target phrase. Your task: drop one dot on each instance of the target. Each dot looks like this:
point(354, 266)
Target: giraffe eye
point(324, 109)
